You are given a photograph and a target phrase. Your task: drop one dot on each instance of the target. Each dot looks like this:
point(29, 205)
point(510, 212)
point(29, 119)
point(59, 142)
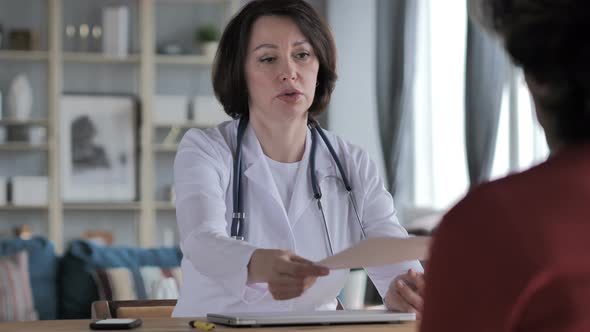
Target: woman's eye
point(302, 55)
point(268, 60)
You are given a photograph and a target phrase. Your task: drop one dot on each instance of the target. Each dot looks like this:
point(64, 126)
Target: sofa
point(64, 287)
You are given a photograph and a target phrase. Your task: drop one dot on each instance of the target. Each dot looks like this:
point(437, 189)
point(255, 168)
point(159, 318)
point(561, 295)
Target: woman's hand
point(287, 274)
point(405, 293)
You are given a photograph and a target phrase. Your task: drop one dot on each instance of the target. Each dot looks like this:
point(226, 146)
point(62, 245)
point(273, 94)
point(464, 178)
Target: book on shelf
point(115, 22)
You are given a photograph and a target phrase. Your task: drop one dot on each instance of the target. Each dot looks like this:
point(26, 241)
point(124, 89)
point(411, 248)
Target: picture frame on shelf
point(99, 147)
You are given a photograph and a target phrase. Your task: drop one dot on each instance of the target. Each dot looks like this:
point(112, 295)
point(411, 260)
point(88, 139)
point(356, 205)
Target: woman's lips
point(290, 98)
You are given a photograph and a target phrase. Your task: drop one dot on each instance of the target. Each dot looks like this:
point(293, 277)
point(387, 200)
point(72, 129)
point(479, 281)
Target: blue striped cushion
point(77, 283)
point(16, 299)
point(119, 283)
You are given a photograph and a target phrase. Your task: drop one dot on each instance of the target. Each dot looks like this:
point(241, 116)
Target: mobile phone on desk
point(116, 324)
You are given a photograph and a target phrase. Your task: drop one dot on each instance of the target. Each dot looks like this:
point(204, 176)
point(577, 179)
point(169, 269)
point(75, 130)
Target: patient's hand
point(405, 293)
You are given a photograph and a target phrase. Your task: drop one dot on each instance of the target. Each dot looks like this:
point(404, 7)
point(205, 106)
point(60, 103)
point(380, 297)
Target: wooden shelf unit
point(131, 206)
point(10, 55)
point(12, 207)
point(146, 62)
point(18, 146)
point(18, 122)
point(165, 206)
point(99, 58)
point(183, 60)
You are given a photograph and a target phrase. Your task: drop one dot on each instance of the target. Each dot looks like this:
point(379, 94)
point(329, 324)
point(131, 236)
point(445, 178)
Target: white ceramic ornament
point(20, 98)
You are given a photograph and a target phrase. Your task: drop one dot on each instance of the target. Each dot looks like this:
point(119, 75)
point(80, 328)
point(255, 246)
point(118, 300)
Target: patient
point(526, 237)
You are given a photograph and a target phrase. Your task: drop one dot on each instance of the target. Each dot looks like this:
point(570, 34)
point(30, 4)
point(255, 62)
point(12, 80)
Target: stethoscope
point(239, 217)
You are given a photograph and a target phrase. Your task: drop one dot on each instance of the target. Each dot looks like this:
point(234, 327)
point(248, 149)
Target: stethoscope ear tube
point(238, 216)
point(317, 193)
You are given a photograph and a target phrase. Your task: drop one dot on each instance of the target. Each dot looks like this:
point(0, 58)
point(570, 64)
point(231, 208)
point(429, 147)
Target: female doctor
point(258, 194)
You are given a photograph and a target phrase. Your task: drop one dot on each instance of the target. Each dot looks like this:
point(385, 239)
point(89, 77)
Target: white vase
point(353, 292)
point(209, 49)
point(20, 98)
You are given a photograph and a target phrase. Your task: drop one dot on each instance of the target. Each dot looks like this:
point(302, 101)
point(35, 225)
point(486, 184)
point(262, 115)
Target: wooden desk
point(181, 325)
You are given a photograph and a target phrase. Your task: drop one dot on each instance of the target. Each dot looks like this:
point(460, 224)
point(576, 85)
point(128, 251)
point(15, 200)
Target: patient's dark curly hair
point(550, 39)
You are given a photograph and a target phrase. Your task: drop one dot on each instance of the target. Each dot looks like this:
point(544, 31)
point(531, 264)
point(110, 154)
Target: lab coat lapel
point(256, 170)
point(302, 195)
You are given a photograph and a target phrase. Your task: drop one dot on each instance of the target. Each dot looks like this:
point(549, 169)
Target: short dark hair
point(547, 39)
point(229, 79)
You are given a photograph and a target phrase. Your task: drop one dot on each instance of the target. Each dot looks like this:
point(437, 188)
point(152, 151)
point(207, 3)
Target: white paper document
point(379, 251)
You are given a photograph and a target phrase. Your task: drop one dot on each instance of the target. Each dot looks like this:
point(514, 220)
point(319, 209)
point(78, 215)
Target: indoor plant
point(208, 38)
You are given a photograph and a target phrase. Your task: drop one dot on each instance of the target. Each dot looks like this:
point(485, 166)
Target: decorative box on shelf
point(29, 190)
point(170, 109)
point(208, 112)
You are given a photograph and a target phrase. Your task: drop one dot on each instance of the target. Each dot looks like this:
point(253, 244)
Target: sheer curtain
point(486, 69)
point(395, 71)
point(440, 165)
point(521, 142)
point(441, 172)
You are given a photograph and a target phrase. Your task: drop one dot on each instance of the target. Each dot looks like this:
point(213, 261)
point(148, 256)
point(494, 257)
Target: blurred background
point(96, 94)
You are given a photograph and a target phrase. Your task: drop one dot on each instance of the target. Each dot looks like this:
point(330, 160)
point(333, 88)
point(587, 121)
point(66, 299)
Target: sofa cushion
point(77, 287)
point(115, 284)
point(161, 283)
point(42, 271)
point(16, 299)
point(118, 283)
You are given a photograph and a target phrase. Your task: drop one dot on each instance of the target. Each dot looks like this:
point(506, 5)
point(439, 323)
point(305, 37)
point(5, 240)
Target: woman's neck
point(281, 141)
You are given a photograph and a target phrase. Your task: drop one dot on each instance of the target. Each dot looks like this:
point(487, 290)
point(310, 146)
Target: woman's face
point(281, 70)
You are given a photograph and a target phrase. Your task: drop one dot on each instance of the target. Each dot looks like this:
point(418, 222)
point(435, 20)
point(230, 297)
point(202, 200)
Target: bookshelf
point(24, 55)
point(59, 64)
point(99, 58)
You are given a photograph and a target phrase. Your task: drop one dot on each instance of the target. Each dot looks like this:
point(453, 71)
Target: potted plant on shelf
point(208, 38)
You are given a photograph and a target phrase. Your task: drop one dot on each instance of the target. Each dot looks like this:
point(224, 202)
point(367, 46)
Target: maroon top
point(514, 254)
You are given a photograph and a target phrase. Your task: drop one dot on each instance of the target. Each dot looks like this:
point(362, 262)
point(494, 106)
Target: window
point(521, 142)
point(441, 171)
point(440, 174)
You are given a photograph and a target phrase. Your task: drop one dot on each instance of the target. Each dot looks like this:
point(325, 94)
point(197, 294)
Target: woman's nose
point(288, 75)
point(288, 72)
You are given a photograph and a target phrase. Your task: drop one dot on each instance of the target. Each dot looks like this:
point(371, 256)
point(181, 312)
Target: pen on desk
point(201, 325)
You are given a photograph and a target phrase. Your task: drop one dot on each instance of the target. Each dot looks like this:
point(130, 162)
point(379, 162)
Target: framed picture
point(98, 148)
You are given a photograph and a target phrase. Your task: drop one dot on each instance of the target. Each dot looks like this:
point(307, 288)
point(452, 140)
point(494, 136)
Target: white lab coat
point(214, 266)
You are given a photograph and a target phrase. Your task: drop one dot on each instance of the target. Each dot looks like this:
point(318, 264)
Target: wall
point(353, 108)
